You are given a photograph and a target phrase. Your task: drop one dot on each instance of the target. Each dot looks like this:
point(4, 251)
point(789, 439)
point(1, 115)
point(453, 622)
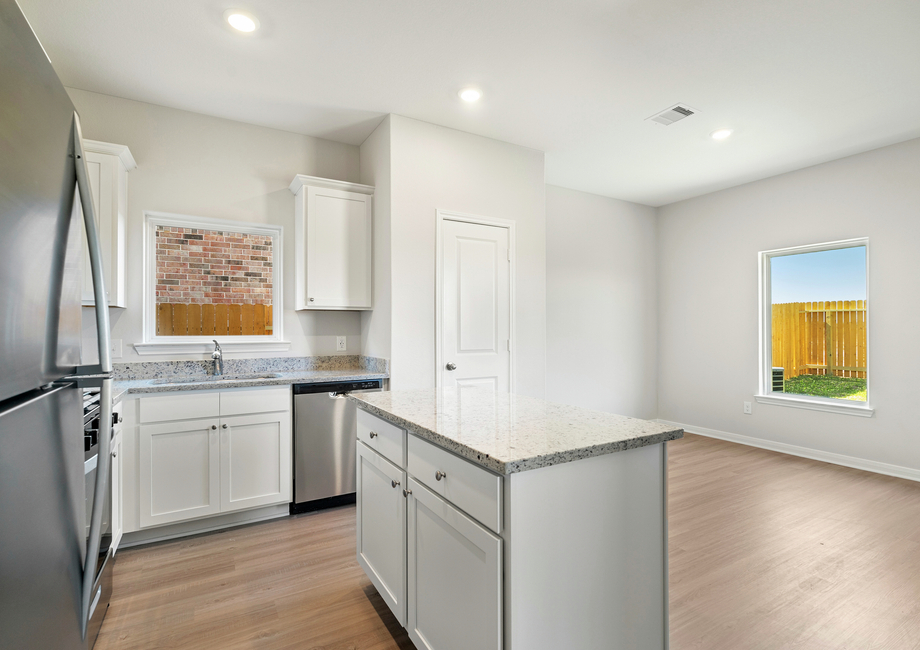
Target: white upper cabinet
point(108, 166)
point(333, 236)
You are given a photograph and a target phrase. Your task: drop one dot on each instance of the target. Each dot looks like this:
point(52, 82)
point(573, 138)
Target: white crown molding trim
point(198, 347)
point(120, 150)
point(313, 181)
point(873, 466)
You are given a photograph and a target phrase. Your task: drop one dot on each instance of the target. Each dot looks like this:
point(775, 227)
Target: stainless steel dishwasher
point(324, 443)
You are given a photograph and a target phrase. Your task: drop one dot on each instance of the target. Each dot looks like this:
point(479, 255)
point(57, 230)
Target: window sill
point(206, 347)
point(860, 409)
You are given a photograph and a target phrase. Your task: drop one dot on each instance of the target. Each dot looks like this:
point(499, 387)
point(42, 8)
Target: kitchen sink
point(211, 379)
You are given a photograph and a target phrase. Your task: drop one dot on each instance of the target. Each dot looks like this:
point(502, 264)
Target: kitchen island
point(487, 520)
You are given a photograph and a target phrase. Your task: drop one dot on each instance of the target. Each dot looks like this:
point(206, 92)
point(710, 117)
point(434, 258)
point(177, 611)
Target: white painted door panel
point(381, 527)
point(179, 471)
point(255, 460)
point(475, 305)
point(455, 577)
point(117, 490)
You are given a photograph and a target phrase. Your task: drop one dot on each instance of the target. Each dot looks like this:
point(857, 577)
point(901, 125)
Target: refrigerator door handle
point(105, 363)
point(95, 249)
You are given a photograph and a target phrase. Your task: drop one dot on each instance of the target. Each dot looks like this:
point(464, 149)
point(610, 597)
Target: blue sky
point(825, 275)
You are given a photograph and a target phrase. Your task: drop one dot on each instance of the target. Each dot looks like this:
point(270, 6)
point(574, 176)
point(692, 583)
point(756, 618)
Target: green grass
point(828, 386)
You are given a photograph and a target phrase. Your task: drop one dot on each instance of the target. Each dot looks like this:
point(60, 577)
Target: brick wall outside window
point(196, 266)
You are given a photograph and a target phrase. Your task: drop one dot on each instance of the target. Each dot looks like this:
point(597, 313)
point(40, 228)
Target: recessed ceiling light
point(470, 94)
point(721, 134)
point(242, 21)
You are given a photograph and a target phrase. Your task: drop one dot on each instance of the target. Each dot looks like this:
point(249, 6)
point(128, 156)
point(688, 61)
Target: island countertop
point(508, 433)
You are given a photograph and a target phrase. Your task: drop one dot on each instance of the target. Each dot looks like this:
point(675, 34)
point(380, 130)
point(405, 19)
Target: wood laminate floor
point(767, 552)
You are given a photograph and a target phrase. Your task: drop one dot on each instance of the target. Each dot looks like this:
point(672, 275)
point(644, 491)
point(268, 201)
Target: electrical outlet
point(340, 343)
point(747, 408)
point(115, 350)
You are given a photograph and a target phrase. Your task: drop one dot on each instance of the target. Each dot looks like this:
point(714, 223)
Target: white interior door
point(475, 310)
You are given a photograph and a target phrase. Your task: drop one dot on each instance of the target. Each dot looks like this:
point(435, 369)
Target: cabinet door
point(455, 577)
point(381, 527)
point(338, 249)
point(179, 471)
point(117, 480)
point(100, 170)
point(255, 460)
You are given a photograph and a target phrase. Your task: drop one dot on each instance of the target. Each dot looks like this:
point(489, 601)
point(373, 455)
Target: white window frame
point(765, 394)
point(154, 344)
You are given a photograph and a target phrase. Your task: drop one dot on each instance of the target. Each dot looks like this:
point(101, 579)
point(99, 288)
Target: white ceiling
point(800, 81)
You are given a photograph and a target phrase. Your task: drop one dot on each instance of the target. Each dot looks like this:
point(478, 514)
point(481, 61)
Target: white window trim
point(765, 361)
point(153, 344)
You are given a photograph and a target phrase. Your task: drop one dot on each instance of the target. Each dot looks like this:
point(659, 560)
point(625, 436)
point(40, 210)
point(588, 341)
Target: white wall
point(601, 303)
point(433, 168)
point(707, 257)
point(206, 166)
point(375, 170)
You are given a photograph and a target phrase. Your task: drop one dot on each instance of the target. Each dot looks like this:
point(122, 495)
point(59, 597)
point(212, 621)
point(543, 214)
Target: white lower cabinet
point(179, 471)
point(202, 466)
point(438, 569)
point(381, 527)
point(118, 521)
point(255, 460)
point(455, 577)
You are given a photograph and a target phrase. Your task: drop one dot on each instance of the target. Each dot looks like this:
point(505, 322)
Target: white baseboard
point(804, 452)
point(205, 525)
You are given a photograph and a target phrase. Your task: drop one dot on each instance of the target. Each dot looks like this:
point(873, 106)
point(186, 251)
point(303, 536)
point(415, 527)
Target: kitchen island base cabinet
point(381, 527)
point(455, 577)
point(580, 561)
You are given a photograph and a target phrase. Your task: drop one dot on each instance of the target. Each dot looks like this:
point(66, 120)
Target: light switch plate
point(116, 349)
point(340, 343)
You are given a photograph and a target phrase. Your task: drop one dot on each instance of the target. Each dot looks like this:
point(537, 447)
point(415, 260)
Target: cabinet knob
point(213, 427)
point(114, 454)
point(394, 483)
point(439, 475)
point(224, 426)
point(406, 493)
point(312, 299)
point(373, 434)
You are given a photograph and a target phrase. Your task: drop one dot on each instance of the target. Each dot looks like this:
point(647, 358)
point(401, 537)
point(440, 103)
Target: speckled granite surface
point(140, 377)
point(204, 367)
point(511, 433)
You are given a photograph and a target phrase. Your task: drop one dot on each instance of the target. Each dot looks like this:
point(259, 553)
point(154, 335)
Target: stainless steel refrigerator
point(50, 559)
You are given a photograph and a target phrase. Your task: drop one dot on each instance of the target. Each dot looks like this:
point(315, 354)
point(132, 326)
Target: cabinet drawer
point(164, 408)
point(255, 400)
point(383, 437)
point(473, 489)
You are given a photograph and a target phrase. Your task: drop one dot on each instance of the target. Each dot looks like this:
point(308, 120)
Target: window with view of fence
point(820, 338)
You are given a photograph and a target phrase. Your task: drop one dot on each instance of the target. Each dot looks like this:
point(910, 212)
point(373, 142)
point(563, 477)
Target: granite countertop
point(147, 377)
point(510, 433)
point(211, 382)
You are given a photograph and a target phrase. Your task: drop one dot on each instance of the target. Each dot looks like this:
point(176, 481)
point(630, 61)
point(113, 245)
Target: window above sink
point(208, 279)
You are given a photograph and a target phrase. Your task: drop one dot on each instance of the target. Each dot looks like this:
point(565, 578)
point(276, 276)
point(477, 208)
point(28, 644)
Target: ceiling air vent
point(673, 114)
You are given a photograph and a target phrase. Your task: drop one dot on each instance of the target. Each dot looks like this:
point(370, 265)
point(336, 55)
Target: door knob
point(451, 366)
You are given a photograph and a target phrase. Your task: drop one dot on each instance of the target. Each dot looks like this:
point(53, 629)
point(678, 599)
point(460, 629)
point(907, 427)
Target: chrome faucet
point(218, 357)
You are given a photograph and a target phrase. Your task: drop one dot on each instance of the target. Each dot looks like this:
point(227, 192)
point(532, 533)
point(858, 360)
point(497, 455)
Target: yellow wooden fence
point(820, 338)
point(213, 320)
